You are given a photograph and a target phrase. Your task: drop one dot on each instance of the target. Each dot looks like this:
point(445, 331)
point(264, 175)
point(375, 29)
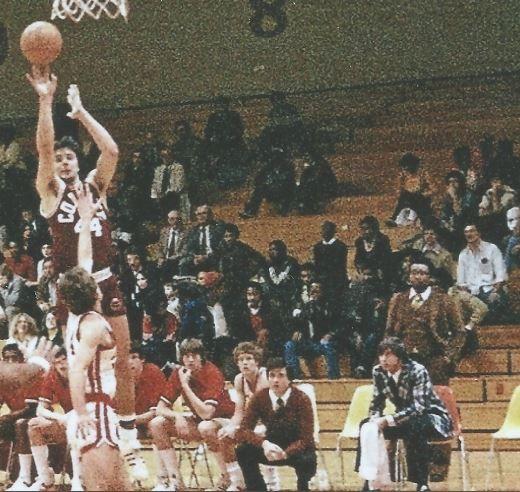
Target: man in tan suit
point(429, 323)
point(172, 246)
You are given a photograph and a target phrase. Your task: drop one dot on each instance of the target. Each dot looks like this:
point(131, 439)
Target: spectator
point(414, 187)
point(24, 333)
point(21, 264)
point(52, 328)
point(287, 414)
point(47, 289)
point(428, 322)
point(186, 150)
point(505, 164)
point(172, 246)
point(150, 301)
point(419, 415)
point(169, 187)
point(39, 230)
point(373, 249)
point(511, 243)
point(330, 261)
point(307, 278)
point(493, 207)
point(14, 295)
point(363, 318)
point(315, 335)
point(28, 244)
point(481, 269)
point(202, 243)
point(46, 253)
point(202, 387)
point(281, 275)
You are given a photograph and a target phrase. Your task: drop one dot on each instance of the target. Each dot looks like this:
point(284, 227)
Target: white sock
point(25, 467)
point(41, 460)
point(76, 463)
point(169, 461)
point(162, 469)
point(235, 473)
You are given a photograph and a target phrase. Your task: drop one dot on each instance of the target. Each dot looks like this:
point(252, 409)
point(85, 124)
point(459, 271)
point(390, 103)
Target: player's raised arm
point(44, 84)
point(109, 152)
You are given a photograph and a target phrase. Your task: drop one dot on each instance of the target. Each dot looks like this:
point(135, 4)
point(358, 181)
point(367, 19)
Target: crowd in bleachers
point(186, 274)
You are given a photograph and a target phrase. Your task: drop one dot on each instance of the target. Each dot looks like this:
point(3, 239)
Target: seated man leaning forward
point(201, 385)
point(287, 415)
point(419, 414)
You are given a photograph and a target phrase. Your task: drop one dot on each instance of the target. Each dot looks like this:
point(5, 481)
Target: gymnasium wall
point(174, 51)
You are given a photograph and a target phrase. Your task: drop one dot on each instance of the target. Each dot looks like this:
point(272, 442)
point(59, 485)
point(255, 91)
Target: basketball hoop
point(76, 9)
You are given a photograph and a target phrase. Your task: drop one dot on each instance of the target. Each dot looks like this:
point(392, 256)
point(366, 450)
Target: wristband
point(39, 361)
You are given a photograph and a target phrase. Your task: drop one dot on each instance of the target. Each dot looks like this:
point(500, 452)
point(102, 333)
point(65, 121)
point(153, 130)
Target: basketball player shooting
point(57, 182)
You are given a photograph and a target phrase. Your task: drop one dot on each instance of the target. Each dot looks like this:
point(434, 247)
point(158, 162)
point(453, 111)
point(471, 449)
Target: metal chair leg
point(490, 461)
point(500, 470)
point(464, 465)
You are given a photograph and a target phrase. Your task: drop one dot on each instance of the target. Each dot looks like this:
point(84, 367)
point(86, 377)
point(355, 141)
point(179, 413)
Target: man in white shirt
point(482, 271)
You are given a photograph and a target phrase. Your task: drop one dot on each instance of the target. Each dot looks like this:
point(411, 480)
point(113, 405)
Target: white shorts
point(105, 424)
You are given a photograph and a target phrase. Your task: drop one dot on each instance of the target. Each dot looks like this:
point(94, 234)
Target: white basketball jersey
point(101, 377)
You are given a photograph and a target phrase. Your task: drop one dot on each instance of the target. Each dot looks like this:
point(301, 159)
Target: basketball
point(41, 43)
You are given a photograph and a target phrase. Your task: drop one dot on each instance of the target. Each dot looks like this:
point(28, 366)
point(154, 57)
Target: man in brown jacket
point(429, 323)
point(287, 415)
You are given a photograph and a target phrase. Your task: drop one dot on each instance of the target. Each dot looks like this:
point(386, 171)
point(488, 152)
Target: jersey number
point(70, 212)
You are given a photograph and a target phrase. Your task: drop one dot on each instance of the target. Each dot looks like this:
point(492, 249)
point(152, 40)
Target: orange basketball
point(41, 43)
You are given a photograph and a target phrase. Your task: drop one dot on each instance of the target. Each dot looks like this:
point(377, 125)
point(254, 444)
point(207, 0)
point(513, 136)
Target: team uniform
point(65, 225)
point(247, 390)
point(208, 384)
point(149, 389)
point(100, 387)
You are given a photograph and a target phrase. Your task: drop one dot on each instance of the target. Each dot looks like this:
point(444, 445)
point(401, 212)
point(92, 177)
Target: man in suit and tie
point(287, 415)
point(429, 323)
point(419, 414)
point(202, 243)
point(172, 243)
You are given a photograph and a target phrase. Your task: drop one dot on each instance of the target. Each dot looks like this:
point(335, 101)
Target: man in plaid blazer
point(419, 416)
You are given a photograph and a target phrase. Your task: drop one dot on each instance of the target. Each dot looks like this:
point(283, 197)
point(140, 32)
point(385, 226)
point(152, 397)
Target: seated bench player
point(202, 387)
point(50, 427)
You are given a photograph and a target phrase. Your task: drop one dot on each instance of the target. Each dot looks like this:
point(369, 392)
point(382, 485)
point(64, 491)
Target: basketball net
point(76, 9)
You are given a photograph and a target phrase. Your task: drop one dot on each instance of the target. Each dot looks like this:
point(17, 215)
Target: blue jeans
point(310, 350)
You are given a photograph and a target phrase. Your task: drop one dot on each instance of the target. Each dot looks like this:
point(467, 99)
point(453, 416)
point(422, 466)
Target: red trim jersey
point(65, 224)
point(208, 384)
point(149, 388)
point(17, 399)
point(55, 389)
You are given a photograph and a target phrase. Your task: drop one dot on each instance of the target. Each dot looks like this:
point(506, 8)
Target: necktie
point(417, 301)
point(280, 404)
point(171, 246)
point(393, 386)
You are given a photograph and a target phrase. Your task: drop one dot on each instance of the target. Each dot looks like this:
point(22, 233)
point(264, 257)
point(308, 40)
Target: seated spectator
point(24, 332)
point(373, 249)
point(150, 299)
point(47, 289)
point(22, 405)
point(473, 311)
point(363, 320)
point(172, 244)
point(286, 412)
point(21, 264)
point(202, 387)
point(202, 243)
point(169, 188)
point(317, 185)
point(28, 243)
point(314, 335)
point(14, 295)
point(493, 207)
point(52, 328)
point(458, 207)
point(46, 253)
point(511, 243)
point(39, 230)
point(482, 271)
point(414, 187)
point(330, 263)
point(50, 426)
point(307, 277)
point(419, 417)
point(281, 274)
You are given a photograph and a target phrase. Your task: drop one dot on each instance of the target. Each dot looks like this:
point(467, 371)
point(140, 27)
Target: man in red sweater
point(287, 415)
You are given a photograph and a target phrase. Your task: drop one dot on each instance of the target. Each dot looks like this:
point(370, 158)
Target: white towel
point(374, 457)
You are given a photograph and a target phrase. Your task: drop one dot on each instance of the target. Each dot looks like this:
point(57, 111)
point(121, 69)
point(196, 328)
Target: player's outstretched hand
point(76, 106)
point(43, 82)
point(85, 203)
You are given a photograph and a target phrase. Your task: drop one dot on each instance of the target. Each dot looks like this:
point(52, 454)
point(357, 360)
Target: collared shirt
point(274, 398)
point(328, 243)
point(481, 268)
point(424, 295)
point(436, 248)
point(219, 320)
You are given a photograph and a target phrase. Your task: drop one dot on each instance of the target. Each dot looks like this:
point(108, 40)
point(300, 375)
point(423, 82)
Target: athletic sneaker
point(129, 446)
point(76, 485)
point(20, 484)
point(40, 485)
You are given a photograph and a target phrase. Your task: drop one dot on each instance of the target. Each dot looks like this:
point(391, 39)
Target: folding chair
point(510, 430)
point(445, 393)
